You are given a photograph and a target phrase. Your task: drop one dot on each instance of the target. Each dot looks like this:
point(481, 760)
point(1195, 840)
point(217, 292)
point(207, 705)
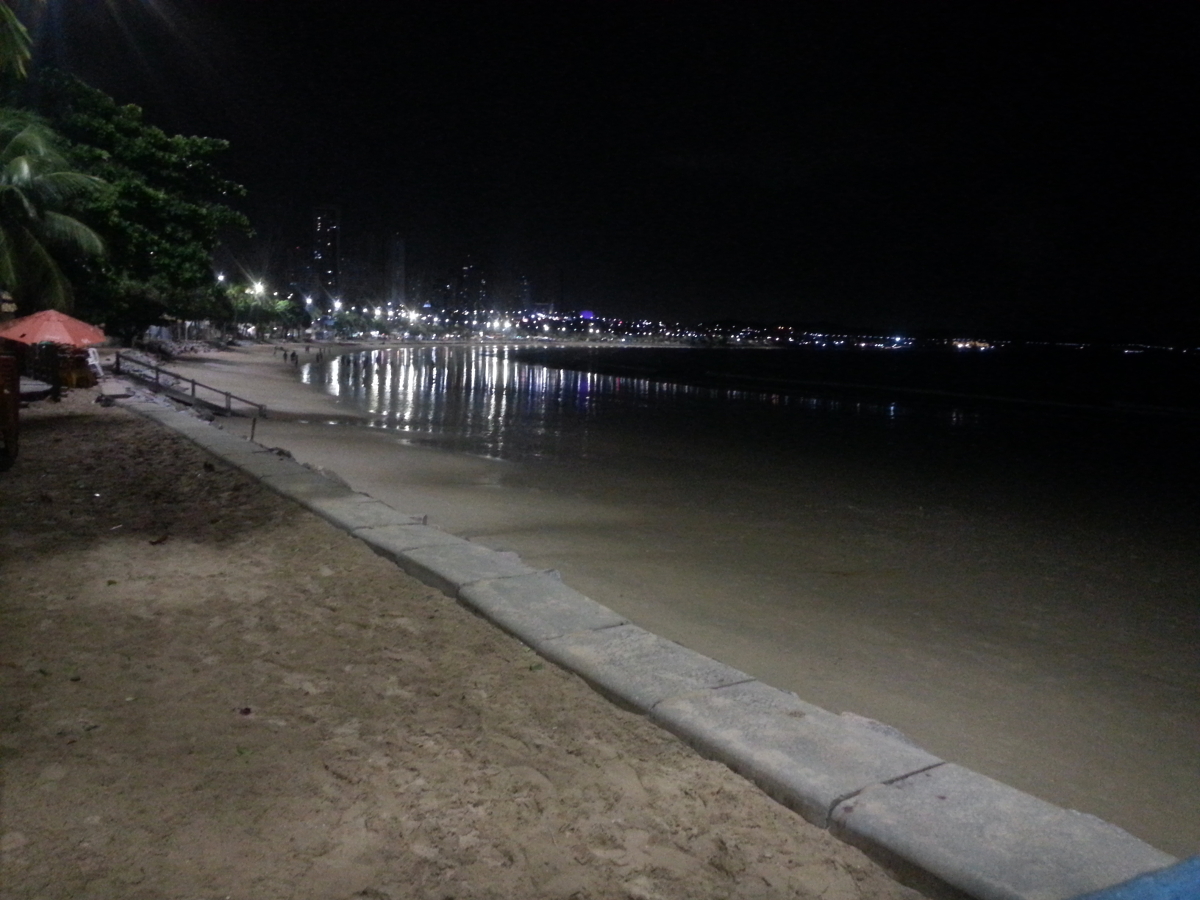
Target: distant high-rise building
point(327, 251)
point(471, 287)
point(394, 275)
point(525, 289)
point(298, 272)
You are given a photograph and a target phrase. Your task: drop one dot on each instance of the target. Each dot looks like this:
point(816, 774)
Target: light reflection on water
point(594, 428)
point(480, 399)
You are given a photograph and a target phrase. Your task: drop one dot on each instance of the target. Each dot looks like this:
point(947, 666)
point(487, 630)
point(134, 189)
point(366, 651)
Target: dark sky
point(907, 165)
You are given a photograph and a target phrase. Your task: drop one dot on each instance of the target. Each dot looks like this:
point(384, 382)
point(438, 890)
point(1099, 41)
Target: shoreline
point(626, 555)
point(600, 358)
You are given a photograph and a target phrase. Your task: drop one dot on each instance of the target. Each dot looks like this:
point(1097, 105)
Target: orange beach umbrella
point(52, 326)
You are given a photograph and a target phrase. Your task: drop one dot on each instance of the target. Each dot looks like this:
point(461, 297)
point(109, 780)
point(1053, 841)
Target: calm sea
point(1101, 428)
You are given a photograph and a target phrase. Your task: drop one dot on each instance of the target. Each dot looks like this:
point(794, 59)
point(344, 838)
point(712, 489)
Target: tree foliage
point(36, 236)
point(15, 46)
point(165, 214)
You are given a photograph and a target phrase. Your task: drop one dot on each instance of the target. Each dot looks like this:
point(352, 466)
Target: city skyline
point(894, 167)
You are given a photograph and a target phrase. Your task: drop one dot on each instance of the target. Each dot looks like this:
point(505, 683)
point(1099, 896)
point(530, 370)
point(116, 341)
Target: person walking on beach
point(295, 359)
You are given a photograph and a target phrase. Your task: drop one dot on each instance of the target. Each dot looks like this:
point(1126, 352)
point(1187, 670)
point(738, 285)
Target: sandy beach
point(1042, 644)
point(210, 693)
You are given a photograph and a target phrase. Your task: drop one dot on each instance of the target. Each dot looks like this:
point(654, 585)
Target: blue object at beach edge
point(1178, 882)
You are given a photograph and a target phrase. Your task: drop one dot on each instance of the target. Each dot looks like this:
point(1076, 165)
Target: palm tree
point(15, 49)
point(35, 183)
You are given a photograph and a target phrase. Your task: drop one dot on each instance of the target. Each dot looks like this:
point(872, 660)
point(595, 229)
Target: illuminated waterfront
point(483, 400)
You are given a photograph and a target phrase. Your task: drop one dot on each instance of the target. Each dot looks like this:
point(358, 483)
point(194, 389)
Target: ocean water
point(488, 401)
point(1013, 584)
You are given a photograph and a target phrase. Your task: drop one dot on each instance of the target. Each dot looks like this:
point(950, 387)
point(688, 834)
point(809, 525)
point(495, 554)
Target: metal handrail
point(159, 372)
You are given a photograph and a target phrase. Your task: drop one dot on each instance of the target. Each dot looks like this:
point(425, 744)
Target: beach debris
point(160, 540)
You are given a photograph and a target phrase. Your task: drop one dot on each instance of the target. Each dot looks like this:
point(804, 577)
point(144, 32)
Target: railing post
point(156, 381)
point(117, 364)
point(193, 381)
point(228, 403)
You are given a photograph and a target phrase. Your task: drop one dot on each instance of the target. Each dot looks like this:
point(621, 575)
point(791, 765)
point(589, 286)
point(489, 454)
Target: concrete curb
point(635, 667)
point(943, 829)
point(951, 826)
point(807, 758)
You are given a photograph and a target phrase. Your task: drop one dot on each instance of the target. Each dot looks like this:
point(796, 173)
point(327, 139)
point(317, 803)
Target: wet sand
point(857, 604)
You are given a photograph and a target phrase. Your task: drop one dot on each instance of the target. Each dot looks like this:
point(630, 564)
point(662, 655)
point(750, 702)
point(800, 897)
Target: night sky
point(975, 167)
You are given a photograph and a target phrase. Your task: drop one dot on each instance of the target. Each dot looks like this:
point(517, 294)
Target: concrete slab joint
point(803, 756)
point(449, 563)
point(536, 607)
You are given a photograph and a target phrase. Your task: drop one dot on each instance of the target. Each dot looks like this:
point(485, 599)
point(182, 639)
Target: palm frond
point(21, 137)
point(15, 46)
point(8, 262)
point(70, 232)
point(61, 186)
point(42, 274)
point(16, 203)
point(36, 183)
